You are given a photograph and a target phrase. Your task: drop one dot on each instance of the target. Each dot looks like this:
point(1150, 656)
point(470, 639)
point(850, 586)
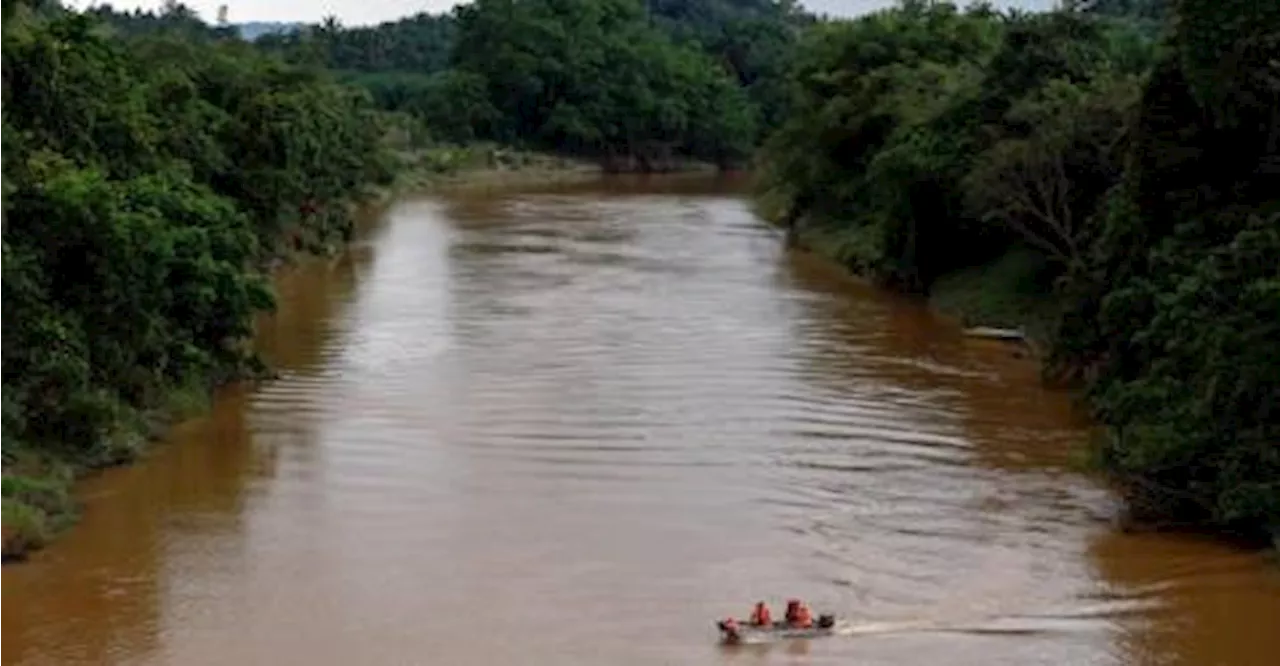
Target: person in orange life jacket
point(804, 617)
point(760, 615)
point(793, 605)
point(798, 614)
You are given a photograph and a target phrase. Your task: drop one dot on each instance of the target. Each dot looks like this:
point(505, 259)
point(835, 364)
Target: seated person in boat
point(760, 616)
point(798, 614)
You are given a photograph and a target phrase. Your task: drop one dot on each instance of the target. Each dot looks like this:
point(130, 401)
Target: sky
point(364, 12)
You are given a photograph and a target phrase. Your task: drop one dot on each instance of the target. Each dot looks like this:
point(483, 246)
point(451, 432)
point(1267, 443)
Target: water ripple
point(593, 419)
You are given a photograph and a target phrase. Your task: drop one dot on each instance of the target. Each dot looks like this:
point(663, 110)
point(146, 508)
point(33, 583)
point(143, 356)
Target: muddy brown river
point(577, 425)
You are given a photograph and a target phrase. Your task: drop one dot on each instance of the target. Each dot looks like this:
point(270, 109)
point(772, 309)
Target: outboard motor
point(826, 621)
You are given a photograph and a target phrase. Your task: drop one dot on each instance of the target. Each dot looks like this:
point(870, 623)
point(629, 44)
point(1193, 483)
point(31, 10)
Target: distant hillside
point(251, 30)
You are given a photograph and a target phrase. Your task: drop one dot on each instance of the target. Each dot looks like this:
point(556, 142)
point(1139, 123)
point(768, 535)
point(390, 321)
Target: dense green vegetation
point(155, 164)
point(1103, 175)
point(593, 77)
point(637, 85)
point(1110, 177)
point(420, 44)
point(752, 39)
point(147, 182)
point(176, 20)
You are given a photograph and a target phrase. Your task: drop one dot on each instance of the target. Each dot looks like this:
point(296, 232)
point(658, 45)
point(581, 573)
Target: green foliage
point(25, 528)
point(172, 19)
point(1122, 174)
point(641, 86)
point(594, 78)
point(420, 44)
point(48, 495)
point(753, 39)
point(36, 503)
point(883, 117)
point(1048, 185)
point(451, 105)
point(1195, 420)
point(148, 173)
point(938, 138)
point(1014, 291)
point(1176, 314)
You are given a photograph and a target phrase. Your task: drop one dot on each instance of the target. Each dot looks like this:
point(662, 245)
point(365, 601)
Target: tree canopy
point(1134, 162)
point(635, 83)
point(1122, 154)
point(149, 176)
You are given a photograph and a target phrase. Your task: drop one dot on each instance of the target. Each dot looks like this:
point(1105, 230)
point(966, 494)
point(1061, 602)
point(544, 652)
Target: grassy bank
point(37, 483)
point(486, 165)
point(1011, 292)
point(1014, 291)
point(37, 502)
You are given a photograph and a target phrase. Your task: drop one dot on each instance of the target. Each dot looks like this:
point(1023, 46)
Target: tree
point(148, 175)
point(1048, 185)
point(617, 89)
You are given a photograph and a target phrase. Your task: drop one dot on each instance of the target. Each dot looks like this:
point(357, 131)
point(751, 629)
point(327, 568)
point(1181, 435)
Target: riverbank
point(38, 485)
point(933, 171)
point(488, 165)
point(38, 500)
point(412, 419)
point(1008, 293)
point(1012, 292)
point(485, 165)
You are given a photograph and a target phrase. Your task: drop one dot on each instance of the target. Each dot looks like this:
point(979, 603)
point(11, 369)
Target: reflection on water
point(578, 425)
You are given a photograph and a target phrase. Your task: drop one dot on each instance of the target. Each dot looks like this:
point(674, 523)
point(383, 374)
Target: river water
point(577, 425)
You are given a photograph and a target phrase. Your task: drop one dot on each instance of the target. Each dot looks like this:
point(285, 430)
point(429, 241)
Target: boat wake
point(991, 628)
point(1013, 625)
point(852, 628)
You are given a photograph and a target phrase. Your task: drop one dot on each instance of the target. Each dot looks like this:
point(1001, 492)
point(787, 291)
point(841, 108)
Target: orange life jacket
point(804, 618)
point(760, 616)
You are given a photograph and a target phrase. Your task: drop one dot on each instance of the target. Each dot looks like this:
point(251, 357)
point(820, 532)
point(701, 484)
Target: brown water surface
point(576, 426)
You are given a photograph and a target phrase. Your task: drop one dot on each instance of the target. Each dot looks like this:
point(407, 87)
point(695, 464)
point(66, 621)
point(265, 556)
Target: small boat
point(991, 333)
point(744, 632)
